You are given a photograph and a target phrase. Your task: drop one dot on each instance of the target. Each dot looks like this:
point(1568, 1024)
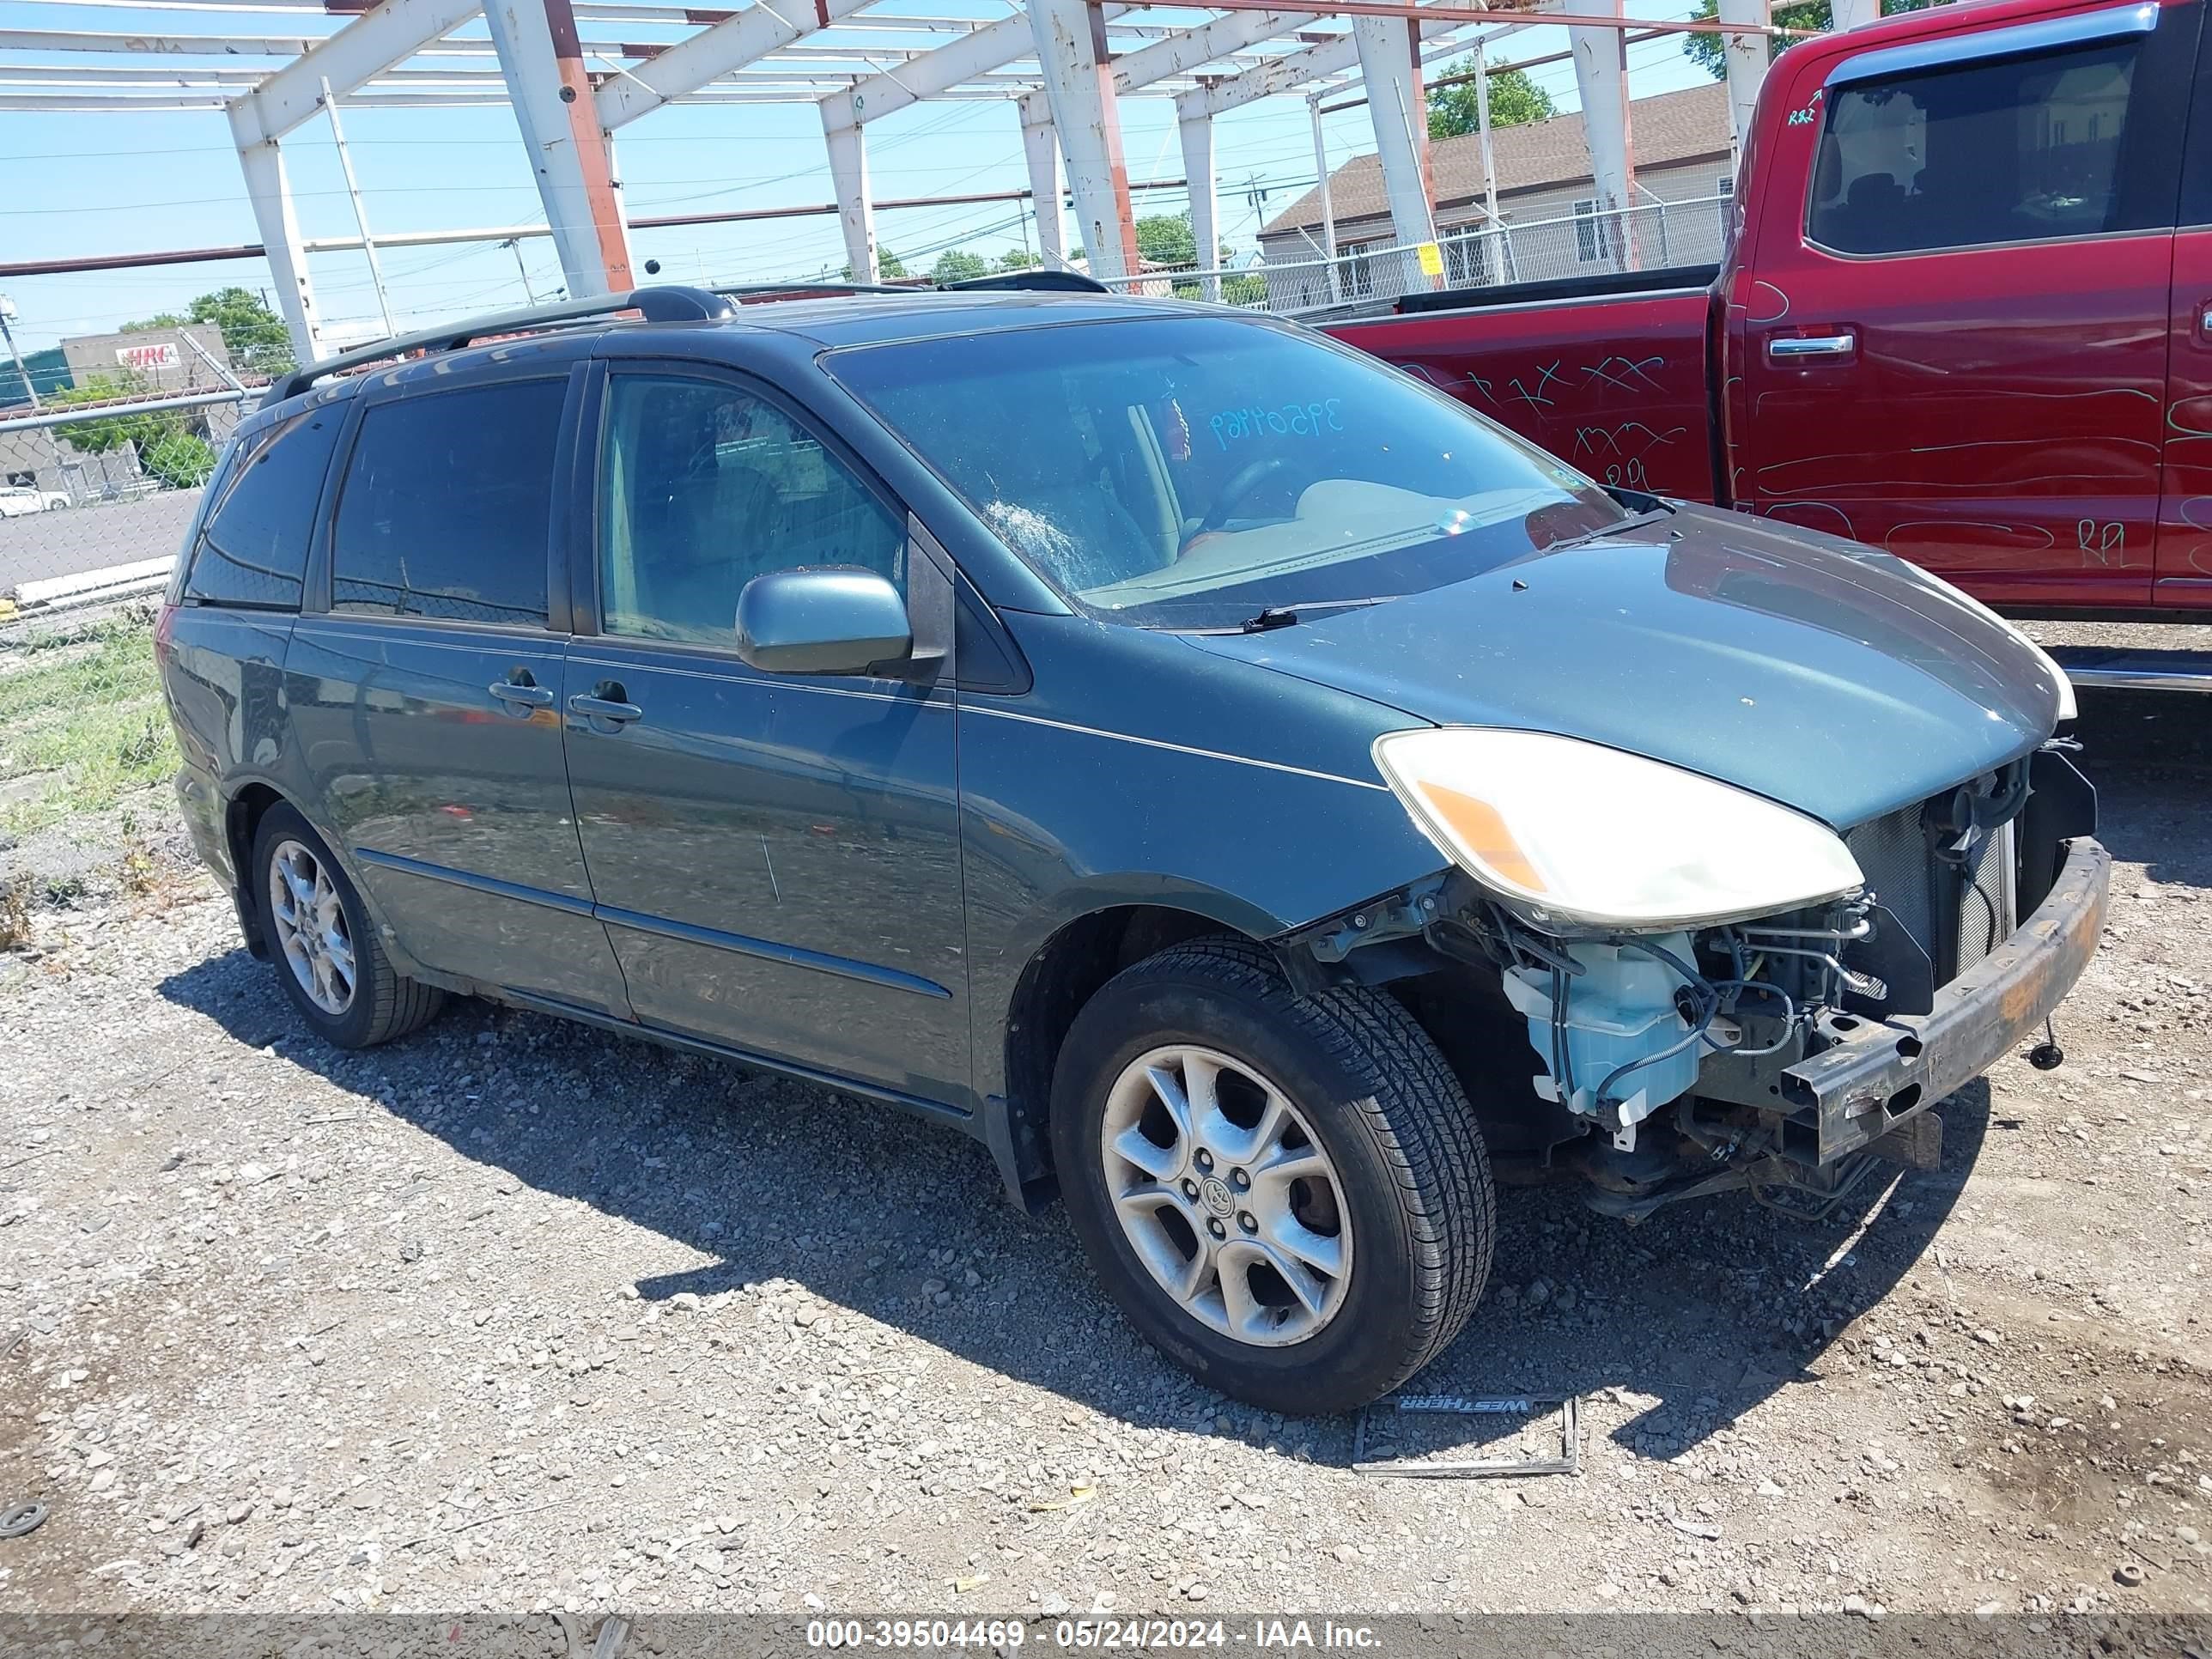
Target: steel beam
point(856, 215)
point(1746, 57)
point(1601, 79)
point(1390, 63)
point(1209, 43)
point(552, 98)
point(1449, 11)
point(993, 47)
point(148, 45)
point(271, 194)
point(1047, 191)
point(1288, 72)
point(1285, 74)
point(374, 42)
point(1197, 135)
point(1078, 83)
point(744, 37)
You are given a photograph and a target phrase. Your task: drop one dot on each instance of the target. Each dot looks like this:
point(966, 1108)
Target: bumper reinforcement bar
point(1880, 1074)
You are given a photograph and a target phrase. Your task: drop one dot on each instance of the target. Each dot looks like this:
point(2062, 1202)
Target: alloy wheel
point(311, 927)
point(1226, 1195)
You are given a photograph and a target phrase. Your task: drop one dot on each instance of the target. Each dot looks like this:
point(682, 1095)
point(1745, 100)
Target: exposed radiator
point(1898, 859)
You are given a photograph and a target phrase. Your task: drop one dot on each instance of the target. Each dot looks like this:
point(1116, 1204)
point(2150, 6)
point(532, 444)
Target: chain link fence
point(95, 498)
point(1366, 277)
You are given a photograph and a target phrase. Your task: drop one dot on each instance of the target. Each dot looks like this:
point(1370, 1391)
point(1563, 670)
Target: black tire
point(1388, 1113)
point(385, 1004)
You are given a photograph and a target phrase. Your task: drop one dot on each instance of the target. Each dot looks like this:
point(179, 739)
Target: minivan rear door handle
point(520, 694)
point(605, 714)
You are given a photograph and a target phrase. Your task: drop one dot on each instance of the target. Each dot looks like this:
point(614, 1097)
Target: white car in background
point(17, 499)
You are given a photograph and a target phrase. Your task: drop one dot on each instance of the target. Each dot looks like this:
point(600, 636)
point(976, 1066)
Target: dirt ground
point(512, 1316)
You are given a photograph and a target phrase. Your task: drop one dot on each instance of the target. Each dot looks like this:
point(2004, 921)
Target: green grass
point(81, 717)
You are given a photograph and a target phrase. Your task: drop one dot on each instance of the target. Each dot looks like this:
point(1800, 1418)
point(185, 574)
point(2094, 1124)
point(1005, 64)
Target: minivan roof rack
point(666, 304)
point(831, 285)
point(1037, 281)
point(1048, 282)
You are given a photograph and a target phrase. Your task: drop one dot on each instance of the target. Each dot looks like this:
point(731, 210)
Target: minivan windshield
point(1190, 471)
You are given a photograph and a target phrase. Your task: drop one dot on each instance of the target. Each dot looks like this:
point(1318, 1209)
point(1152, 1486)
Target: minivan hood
point(1833, 678)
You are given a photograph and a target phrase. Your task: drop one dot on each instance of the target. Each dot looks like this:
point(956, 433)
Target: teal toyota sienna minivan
point(1252, 794)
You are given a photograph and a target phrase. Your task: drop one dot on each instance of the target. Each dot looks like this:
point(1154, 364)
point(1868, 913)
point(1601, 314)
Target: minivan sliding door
point(423, 696)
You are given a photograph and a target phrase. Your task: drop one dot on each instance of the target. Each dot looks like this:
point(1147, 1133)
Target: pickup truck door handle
point(2204, 320)
point(1795, 347)
point(604, 712)
point(521, 696)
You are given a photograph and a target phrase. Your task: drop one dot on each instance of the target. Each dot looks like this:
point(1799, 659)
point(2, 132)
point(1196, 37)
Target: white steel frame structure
point(1063, 64)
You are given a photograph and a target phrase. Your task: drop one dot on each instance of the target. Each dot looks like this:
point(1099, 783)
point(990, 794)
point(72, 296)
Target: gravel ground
point(511, 1316)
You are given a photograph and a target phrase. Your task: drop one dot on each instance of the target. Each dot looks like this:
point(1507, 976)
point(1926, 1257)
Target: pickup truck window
point(1192, 472)
point(2023, 150)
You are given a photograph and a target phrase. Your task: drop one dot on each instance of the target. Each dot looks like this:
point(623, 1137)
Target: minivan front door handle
point(519, 695)
point(1795, 348)
point(605, 714)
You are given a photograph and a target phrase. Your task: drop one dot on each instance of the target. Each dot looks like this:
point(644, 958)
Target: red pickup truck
point(1965, 314)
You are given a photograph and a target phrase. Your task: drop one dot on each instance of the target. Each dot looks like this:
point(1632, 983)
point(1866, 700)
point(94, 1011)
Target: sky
point(85, 183)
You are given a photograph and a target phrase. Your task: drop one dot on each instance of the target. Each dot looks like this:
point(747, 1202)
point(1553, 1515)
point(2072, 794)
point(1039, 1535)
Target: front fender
point(1057, 825)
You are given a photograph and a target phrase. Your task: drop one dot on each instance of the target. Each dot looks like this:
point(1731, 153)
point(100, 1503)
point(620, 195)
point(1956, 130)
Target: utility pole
point(515, 242)
point(7, 317)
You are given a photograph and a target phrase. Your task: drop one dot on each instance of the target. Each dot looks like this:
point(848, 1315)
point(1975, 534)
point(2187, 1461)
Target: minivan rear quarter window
point(446, 510)
point(254, 547)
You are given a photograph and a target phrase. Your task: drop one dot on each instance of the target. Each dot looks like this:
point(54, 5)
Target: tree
point(182, 460)
point(1166, 239)
point(1016, 258)
point(1515, 101)
point(103, 432)
point(957, 265)
point(1706, 50)
point(169, 443)
point(888, 266)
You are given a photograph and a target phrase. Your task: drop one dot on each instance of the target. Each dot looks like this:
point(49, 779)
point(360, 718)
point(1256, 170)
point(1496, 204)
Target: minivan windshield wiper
point(1288, 616)
point(1633, 521)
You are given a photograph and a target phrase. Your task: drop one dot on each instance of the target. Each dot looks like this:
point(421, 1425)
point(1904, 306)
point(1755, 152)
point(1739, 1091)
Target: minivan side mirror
point(836, 619)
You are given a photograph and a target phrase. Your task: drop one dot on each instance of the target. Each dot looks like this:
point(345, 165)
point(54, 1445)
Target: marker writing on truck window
point(1291, 420)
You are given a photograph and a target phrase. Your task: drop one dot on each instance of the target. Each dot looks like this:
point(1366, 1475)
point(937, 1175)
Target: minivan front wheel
point(1286, 1194)
point(327, 953)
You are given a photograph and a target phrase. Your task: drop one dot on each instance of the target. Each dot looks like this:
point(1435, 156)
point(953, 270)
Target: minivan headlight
point(1577, 832)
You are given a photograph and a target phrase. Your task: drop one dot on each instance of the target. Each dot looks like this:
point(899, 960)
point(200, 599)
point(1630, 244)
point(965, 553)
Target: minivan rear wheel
point(1286, 1194)
point(325, 951)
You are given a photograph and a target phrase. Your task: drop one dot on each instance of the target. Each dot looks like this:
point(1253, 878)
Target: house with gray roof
point(1549, 226)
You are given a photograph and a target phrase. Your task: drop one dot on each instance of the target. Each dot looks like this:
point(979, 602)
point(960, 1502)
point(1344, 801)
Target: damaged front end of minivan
point(1717, 992)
